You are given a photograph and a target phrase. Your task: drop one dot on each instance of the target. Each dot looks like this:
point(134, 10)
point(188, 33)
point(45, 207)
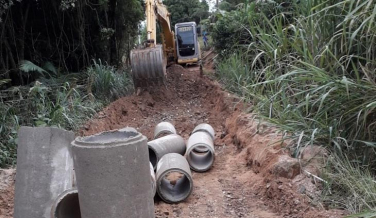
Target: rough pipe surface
point(164, 145)
point(163, 128)
point(174, 178)
point(44, 170)
point(113, 175)
point(204, 127)
point(200, 161)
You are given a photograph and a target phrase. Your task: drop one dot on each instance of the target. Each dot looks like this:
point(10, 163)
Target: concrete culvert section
point(66, 205)
point(204, 127)
point(113, 175)
point(174, 178)
point(200, 161)
point(44, 170)
point(165, 145)
point(163, 129)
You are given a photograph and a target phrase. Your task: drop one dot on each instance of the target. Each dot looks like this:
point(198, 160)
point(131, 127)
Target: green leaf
point(28, 66)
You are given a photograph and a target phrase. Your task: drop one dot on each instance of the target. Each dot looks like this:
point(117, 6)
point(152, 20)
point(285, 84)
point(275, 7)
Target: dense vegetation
point(310, 68)
point(48, 72)
point(67, 33)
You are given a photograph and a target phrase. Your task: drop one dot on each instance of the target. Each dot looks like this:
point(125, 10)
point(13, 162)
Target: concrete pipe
point(44, 170)
point(174, 178)
point(204, 127)
point(66, 205)
point(164, 128)
point(164, 145)
point(113, 175)
point(153, 182)
point(200, 161)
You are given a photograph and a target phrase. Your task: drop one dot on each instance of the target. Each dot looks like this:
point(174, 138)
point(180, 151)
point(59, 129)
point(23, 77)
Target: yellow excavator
point(149, 63)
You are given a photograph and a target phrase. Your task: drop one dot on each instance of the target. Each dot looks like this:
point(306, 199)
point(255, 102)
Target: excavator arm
point(149, 64)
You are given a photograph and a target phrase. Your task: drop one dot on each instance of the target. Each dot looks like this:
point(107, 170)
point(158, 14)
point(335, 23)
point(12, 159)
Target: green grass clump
point(310, 68)
point(63, 101)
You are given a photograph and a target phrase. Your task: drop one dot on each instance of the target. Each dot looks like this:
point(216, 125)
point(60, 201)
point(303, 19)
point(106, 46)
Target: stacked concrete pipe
point(66, 205)
point(204, 127)
point(200, 161)
point(163, 128)
point(164, 145)
point(113, 175)
point(44, 170)
point(179, 189)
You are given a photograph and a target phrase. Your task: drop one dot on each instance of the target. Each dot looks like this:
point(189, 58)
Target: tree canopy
point(188, 10)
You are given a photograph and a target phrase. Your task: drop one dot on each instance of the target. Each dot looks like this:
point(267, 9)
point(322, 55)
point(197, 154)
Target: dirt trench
point(251, 175)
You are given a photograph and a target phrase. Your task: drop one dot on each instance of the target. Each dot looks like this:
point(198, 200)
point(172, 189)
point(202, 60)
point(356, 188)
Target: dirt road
point(243, 181)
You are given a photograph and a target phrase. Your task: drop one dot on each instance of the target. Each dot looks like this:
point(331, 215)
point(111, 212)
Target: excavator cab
point(187, 47)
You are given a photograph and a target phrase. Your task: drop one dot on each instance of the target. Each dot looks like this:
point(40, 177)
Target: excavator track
point(148, 66)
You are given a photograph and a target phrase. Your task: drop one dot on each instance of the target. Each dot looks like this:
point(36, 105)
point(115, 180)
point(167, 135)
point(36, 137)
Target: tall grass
point(64, 101)
point(311, 70)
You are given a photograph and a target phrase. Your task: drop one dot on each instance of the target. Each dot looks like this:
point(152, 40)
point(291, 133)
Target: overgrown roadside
point(61, 100)
point(308, 67)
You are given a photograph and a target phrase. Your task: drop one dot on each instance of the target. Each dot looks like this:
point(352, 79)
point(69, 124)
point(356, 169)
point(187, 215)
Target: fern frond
point(28, 66)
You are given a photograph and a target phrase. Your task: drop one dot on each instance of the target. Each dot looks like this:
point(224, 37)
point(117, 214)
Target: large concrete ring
point(164, 145)
point(163, 128)
point(113, 175)
point(200, 161)
point(182, 187)
point(204, 127)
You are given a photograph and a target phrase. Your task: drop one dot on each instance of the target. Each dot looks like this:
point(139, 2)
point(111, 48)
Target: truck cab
point(187, 46)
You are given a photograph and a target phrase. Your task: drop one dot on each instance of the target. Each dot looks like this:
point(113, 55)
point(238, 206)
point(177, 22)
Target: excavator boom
point(149, 63)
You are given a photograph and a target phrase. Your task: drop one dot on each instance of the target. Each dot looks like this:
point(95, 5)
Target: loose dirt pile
point(251, 175)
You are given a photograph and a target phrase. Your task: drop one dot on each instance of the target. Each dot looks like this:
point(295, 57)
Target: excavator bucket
point(148, 66)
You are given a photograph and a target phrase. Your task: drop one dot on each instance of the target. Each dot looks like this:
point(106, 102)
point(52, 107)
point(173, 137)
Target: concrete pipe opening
point(200, 161)
point(163, 129)
point(200, 151)
point(174, 179)
point(153, 157)
point(109, 137)
point(66, 205)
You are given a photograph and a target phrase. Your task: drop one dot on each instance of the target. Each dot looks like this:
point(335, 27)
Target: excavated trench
point(252, 176)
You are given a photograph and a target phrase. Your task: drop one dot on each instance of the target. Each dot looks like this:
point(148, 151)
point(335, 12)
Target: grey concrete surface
point(113, 175)
point(204, 127)
point(66, 205)
point(153, 181)
point(164, 145)
point(174, 178)
point(163, 128)
point(44, 170)
point(200, 161)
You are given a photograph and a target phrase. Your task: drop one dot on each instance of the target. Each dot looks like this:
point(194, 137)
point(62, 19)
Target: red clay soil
point(252, 176)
